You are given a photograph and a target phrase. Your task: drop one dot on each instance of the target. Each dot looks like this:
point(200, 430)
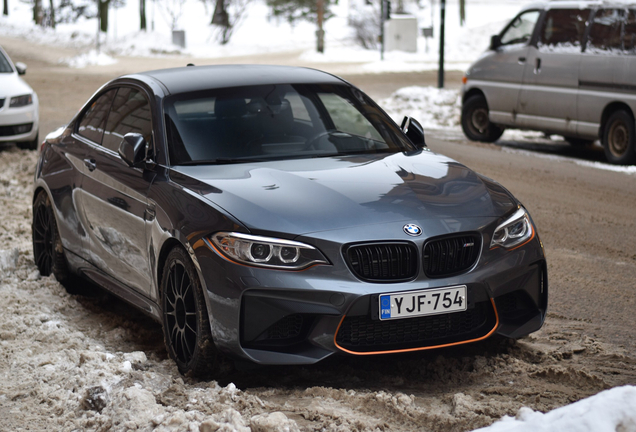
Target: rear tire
point(619, 138)
point(186, 327)
point(475, 122)
point(48, 252)
point(29, 145)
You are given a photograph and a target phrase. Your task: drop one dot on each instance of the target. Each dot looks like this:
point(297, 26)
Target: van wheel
point(475, 122)
point(578, 142)
point(619, 138)
point(186, 327)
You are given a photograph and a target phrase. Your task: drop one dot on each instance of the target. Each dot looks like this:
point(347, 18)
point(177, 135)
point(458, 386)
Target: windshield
point(5, 66)
point(259, 123)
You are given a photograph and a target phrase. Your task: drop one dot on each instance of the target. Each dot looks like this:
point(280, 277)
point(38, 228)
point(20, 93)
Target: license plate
point(424, 302)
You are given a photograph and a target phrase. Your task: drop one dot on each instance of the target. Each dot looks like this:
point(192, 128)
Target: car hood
point(12, 85)
point(310, 195)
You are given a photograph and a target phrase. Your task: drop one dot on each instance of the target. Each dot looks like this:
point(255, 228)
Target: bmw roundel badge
point(412, 230)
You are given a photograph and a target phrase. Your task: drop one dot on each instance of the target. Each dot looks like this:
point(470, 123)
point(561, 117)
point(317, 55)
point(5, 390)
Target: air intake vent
point(451, 255)
point(383, 262)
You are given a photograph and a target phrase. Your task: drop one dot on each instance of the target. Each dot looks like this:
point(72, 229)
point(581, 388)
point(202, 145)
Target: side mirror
point(133, 149)
point(495, 42)
point(21, 68)
point(414, 131)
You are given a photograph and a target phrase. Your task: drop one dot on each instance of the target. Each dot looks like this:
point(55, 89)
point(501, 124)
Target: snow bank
point(434, 108)
point(90, 58)
point(609, 411)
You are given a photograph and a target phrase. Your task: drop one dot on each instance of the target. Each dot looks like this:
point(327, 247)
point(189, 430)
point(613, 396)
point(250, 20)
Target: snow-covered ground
point(259, 33)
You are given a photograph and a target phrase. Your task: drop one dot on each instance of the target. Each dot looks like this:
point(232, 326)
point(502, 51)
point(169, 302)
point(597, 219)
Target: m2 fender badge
point(412, 230)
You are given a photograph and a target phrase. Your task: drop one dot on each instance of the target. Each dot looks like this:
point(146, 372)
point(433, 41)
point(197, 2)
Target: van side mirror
point(414, 131)
point(495, 42)
point(21, 68)
point(133, 149)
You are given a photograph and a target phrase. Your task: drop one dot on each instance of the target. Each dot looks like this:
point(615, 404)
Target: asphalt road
point(586, 216)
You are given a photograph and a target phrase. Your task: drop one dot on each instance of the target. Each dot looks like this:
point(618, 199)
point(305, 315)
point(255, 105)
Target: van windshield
point(520, 29)
point(283, 121)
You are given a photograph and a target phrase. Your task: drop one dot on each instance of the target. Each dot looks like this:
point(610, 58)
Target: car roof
point(197, 78)
point(573, 4)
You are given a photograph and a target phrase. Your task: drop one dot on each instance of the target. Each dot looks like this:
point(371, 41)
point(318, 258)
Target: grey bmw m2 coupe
point(277, 214)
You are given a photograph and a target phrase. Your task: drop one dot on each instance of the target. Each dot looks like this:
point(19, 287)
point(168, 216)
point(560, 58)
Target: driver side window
point(521, 28)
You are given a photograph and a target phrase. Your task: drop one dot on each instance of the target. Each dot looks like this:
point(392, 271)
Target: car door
point(502, 71)
point(602, 69)
point(548, 96)
point(88, 131)
point(115, 195)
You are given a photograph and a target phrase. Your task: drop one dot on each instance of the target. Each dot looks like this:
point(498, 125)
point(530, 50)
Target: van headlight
point(20, 101)
point(266, 251)
point(514, 231)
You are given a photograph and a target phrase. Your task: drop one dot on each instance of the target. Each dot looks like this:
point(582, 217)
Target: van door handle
point(537, 66)
point(90, 164)
point(522, 60)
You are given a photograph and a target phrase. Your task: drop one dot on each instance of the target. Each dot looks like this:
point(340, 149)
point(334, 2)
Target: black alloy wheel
point(186, 326)
point(619, 138)
point(48, 252)
point(476, 123)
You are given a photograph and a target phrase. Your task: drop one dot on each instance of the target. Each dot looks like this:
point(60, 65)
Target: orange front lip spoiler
point(421, 348)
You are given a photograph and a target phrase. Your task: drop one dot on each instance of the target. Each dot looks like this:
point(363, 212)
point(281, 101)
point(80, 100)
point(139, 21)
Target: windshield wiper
point(221, 161)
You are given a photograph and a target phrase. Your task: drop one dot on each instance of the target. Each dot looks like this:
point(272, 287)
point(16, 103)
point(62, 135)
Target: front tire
point(476, 123)
point(48, 252)
point(186, 327)
point(619, 138)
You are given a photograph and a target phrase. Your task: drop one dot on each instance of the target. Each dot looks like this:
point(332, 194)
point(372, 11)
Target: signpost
point(440, 72)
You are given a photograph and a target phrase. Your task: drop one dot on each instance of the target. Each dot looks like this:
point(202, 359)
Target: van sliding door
point(548, 96)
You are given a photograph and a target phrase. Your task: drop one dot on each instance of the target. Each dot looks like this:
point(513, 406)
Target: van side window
point(520, 29)
point(629, 36)
point(605, 33)
point(564, 28)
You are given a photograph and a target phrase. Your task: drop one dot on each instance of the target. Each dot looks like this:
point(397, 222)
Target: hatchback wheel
point(476, 123)
point(186, 326)
point(619, 138)
point(48, 252)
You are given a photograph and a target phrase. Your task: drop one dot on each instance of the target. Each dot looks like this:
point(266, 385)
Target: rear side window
point(563, 29)
point(605, 33)
point(130, 113)
point(520, 29)
point(92, 124)
point(629, 33)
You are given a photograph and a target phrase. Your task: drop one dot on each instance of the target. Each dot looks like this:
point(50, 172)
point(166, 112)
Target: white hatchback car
point(19, 108)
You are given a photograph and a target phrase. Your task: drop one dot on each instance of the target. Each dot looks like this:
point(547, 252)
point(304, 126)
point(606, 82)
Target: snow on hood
point(302, 196)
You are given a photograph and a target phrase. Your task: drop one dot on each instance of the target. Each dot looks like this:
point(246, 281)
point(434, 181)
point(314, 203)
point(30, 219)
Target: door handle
point(537, 65)
point(90, 164)
point(522, 60)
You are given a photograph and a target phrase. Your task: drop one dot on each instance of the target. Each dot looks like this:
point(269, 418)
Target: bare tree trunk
point(5, 11)
point(142, 15)
point(320, 33)
point(37, 11)
point(103, 14)
point(462, 12)
point(52, 13)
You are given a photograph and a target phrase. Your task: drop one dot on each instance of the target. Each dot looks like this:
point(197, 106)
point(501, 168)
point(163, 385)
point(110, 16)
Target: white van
point(566, 68)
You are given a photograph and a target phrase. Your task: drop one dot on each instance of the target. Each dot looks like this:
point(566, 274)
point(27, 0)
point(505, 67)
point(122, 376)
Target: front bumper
point(282, 317)
point(19, 124)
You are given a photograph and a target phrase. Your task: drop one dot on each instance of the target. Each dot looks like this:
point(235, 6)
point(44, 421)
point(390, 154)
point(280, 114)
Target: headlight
point(513, 232)
point(20, 101)
point(266, 251)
